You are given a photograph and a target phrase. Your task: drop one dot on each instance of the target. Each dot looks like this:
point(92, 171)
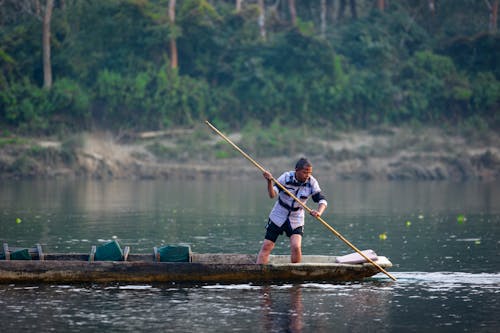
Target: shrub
point(433, 89)
point(26, 106)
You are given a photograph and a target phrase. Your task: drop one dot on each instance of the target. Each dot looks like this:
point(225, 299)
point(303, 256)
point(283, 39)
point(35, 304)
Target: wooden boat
point(200, 268)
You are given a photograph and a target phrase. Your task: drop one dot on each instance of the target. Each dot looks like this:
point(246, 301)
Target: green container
point(110, 251)
point(175, 253)
point(23, 254)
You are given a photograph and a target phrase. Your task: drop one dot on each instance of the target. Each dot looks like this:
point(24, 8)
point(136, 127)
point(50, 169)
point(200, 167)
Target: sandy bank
point(395, 154)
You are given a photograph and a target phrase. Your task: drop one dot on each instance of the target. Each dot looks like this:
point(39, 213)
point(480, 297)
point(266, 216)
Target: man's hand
point(268, 175)
point(315, 213)
point(319, 211)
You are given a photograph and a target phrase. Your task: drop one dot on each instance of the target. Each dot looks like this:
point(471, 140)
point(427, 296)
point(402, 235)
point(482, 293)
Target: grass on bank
point(276, 139)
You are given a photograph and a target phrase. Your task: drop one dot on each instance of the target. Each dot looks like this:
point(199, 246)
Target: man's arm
point(270, 186)
point(322, 203)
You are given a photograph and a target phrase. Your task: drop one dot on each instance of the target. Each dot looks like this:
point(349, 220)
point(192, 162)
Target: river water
point(442, 237)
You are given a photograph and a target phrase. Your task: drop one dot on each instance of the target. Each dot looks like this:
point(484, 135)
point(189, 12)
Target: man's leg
point(265, 251)
point(296, 248)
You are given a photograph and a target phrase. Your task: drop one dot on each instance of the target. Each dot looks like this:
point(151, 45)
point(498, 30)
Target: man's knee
point(265, 251)
point(267, 246)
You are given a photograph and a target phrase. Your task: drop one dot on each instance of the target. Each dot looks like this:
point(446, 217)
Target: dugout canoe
point(202, 268)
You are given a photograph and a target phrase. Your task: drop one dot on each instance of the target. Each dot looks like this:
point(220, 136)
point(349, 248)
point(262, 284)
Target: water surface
point(443, 239)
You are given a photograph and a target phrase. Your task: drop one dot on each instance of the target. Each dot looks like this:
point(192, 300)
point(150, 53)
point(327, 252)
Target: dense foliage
point(110, 61)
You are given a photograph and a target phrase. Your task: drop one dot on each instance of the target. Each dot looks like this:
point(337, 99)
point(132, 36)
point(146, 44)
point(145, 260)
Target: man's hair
point(302, 163)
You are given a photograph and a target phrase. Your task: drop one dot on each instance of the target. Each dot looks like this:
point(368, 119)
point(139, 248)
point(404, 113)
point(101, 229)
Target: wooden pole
point(335, 232)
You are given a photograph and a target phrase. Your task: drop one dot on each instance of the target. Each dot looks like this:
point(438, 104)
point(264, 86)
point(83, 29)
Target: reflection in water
point(352, 307)
point(71, 216)
point(283, 313)
point(418, 301)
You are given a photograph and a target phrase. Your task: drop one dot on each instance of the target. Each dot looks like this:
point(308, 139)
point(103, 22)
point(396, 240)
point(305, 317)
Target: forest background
point(143, 75)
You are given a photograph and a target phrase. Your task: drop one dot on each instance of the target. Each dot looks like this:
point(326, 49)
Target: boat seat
point(21, 253)
point(110, 251)
point(173, 253)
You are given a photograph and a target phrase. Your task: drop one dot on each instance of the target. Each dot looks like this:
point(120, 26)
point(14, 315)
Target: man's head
point(303, 170)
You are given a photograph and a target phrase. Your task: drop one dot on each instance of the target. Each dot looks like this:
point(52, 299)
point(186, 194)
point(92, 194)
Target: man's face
point(303, 174)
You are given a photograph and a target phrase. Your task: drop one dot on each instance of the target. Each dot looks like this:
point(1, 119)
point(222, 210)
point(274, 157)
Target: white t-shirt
point(286, 207)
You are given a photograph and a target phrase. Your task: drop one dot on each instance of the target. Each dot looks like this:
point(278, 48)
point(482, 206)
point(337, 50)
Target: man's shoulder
point(313, 181)
point(287, 174)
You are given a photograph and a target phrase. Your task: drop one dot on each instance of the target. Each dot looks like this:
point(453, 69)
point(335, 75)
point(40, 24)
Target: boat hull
point(210, 268)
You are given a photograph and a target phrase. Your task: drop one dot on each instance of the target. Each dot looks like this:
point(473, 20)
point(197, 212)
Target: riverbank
point(378, 154)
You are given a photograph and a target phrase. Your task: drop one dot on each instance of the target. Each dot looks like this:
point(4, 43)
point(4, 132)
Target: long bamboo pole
point(335, 232)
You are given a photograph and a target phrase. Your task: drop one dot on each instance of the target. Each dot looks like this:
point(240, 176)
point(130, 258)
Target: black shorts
point(273, 231)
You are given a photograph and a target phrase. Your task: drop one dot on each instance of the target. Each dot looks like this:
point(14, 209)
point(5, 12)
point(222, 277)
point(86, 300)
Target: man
point(287, 215)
